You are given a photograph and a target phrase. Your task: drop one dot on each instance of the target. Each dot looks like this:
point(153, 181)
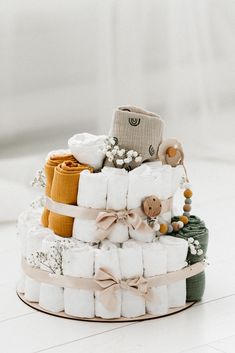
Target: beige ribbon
point(109, 285)
point(106, 220)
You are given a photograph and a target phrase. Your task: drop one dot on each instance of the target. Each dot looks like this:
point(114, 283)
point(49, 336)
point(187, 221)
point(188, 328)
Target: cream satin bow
point(109, 285)
point(105, 220)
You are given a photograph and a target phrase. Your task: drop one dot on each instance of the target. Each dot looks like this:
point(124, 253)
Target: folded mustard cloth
point(49, 168)
point(136, 129)
point(65, 189)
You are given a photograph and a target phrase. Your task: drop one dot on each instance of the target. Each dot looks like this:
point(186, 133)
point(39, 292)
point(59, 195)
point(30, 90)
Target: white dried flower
point(200, 252)
point(127, 160)
point(109, 154)
point(190, 240)
point(196, 242)
point(130, 153)
point(119, 161)
point(121, 152)
point(193, 251)
point(110, 159)
point(138, 159)
point(135, 154)
point(114, 152)
point(116, 147)
point(112, 141)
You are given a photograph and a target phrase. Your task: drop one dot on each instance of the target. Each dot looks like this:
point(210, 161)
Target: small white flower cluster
point(195, 247)
point(39, 202)
point(119, 156)
point(39, 180)
point(52, 259)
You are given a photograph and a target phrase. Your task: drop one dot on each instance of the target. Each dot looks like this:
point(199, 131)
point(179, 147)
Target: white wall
point(65, 64)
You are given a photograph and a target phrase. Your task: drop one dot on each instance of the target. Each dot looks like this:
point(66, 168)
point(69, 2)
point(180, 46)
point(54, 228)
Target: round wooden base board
point(63, 315)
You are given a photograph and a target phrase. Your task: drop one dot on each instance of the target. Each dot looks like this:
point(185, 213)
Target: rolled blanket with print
point(155, 263)
point(116, 200)
point(107, 257)
point(35, 238)
point(92, 193)
point(176, 259)
point(87, 149)
point(136, 129)
point(53, 160)
point(64, 189)
point(131, 265)
point(79, 262)
point(26, 220)
point(197, 230)
point(51, 297)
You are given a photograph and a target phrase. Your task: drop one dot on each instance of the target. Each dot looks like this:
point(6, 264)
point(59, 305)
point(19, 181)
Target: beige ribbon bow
point(106, 220)
point(109, 284)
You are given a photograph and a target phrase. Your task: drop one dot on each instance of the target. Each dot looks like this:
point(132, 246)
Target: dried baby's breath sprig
point(39, 180)
point(194, 247)
point(38, 202)
point(120, 157)
point(52, 259)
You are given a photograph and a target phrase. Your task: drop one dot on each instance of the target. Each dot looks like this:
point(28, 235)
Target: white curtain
point(65, 65)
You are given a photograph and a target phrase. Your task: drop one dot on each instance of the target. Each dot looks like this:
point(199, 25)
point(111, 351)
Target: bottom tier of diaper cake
point(104, 280)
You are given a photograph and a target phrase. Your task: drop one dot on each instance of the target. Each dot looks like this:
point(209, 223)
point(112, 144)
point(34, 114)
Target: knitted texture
point(198, 231)
point(49, 168)
point(65, 189)
point(138, 130)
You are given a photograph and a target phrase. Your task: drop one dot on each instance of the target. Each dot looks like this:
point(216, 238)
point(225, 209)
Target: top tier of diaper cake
point(109, 228)
point(119, 186)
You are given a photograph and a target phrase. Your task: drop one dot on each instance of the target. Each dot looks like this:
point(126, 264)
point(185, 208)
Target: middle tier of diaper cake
point(98, 247)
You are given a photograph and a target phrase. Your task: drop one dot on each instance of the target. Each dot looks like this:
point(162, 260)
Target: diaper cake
point(112, 237)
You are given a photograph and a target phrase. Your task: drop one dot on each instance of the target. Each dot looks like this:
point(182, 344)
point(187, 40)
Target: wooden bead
point(175, 226)
point(188, 201)
point(187, 208)
point(184, 219)
point(188, 193)
point(171, 151)
point(187, 214)
point(152, 206)
point(163, 228)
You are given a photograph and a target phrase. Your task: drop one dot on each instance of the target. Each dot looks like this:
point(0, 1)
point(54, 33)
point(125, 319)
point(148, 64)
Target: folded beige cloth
point(136, 129)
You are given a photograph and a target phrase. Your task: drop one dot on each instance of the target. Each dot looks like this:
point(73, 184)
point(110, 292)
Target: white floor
point(208, 327)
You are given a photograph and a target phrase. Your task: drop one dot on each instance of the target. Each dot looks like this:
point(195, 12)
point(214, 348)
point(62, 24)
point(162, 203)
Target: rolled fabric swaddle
point(155, 263)
point(176, 260)
point(79, 262)
point(51, 297)
point(197, 230)
point(92, 193)
point(131, 265)
point(140, 187)
point(117, 188)
point(136, 129)
point(107, 257)
point(53, 160)
point(35, 237)
point(64, 189)
point(87, 149)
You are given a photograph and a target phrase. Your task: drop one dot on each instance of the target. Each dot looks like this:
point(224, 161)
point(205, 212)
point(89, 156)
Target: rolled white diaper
point(92, 193)
point(87, 149)
point(109, 260)
point(177, 250)
point(116, 200)
point(51, 297)
point(35, 237)
point(79, 262)
point(155, 263)
point(131, 265)
point(26, 220)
